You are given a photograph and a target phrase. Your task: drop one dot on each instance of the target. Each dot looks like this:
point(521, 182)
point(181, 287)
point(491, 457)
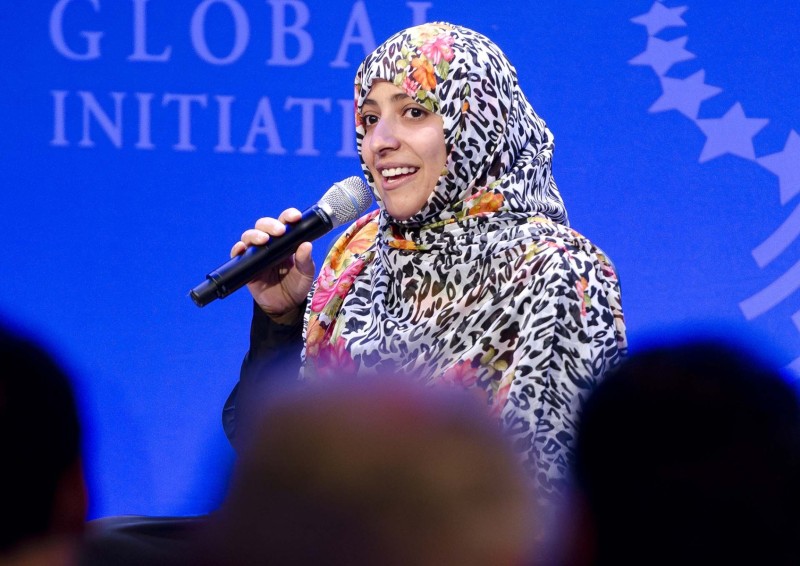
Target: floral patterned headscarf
point(499, 149)
point(486, 287)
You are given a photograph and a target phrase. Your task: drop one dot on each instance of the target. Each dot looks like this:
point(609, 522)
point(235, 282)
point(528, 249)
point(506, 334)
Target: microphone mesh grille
point(348, 199)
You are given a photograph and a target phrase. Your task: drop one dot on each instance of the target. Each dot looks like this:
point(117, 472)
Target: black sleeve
point(273, 358)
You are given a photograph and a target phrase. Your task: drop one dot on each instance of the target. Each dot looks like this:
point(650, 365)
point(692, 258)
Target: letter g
point(57, 34)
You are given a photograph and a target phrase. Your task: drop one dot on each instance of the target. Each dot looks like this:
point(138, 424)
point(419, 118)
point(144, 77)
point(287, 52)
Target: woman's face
point(403, 147)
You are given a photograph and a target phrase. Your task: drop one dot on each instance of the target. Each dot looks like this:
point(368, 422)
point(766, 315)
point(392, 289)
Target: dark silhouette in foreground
point(689, 454)
point(42, 488)
point(374, 472)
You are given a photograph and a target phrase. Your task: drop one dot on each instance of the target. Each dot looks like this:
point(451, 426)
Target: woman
point(468, 273)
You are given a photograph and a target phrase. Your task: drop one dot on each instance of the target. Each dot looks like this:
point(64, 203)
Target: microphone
point(344, 202)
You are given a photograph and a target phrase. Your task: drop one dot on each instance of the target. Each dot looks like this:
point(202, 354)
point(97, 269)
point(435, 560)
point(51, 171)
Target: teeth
point(398, 171)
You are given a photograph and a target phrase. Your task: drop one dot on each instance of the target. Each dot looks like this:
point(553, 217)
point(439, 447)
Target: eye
point(415, 112)
point(369, 120)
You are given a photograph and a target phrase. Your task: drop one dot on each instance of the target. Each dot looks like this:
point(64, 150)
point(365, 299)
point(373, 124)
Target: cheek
point(435, 149)
point(442, 157)
point(436, 161)
point(366, 154)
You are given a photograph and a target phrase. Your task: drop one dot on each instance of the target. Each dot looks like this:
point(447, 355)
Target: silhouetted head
point(377, 471)
point(41, 482)
point(689, 453)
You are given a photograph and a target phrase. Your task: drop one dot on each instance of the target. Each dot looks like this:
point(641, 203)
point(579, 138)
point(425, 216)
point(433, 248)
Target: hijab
point(486, 287)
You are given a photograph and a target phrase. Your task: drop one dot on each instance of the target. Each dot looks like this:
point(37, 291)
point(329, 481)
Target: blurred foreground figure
point(42, 489)
point(375, 472)
point(689, 454)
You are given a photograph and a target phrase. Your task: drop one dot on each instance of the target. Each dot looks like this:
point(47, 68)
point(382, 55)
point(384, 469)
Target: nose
point(384, 136)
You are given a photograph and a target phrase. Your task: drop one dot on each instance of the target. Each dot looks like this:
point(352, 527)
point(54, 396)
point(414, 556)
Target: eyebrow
point(394, 98)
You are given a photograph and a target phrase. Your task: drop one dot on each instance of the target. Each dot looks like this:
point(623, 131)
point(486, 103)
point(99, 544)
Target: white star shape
point(684, 95)
point(661, 55)
point(786, 165)
point(733, 133)
point(660, 18)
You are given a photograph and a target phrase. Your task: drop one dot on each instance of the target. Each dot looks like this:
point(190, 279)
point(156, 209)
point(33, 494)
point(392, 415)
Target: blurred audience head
point(41, 479)
point(376, 471)
point(688, 453)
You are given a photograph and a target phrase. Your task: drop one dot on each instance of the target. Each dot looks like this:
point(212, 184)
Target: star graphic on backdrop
point(661, 55)
point(733, 133)
point(786, 165)
point(659, 18)
point(684, 95)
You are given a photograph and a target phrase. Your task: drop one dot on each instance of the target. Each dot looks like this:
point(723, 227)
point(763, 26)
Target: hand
point(282, 288)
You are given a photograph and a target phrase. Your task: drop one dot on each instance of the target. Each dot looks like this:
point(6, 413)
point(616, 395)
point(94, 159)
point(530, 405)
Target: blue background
point(101, 243)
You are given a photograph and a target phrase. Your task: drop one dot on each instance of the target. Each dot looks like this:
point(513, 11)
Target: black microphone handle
point(238, 271)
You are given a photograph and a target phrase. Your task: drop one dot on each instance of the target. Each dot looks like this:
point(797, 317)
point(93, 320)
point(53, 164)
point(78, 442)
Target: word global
point(129, 120)
point(288, 25)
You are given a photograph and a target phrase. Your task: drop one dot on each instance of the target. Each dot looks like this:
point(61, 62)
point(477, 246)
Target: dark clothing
point(273, 358)
point(132, 540)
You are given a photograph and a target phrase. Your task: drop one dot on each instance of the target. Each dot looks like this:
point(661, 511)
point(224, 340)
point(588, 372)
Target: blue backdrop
point(141, 137)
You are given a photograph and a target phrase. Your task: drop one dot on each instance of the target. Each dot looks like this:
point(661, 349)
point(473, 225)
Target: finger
point(270, 226)
point(303, 260)
point(238, 248)
point(254, 237)
point(290, 215)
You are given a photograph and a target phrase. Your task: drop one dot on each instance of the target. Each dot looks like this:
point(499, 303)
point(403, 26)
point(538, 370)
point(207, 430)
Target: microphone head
point(347, 200)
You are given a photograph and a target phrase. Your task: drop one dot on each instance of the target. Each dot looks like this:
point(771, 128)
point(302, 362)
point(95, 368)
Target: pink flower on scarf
point(348, 276)
point(329, 286)
point(334, 360)
point(461, 374)
point(410, 86)
point(499, 401)
point(326, 287)
point(438, 48)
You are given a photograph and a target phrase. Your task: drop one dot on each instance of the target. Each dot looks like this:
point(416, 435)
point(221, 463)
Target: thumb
point(303, 260)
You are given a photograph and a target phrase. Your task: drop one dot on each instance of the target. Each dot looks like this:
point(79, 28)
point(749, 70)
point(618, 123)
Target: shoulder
point(570, 249)
point(364, 227)
point(358, 238)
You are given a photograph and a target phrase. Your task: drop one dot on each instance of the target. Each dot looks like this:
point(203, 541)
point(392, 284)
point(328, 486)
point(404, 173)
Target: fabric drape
point(486, 287)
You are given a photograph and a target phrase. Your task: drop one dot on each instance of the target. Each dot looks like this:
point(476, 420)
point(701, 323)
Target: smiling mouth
point(395, 175)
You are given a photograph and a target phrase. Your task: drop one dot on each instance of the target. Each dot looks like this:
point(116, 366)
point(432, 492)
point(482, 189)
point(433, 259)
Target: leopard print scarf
point(486, 287)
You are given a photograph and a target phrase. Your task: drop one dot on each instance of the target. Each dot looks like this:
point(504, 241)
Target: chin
point(403, 212)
